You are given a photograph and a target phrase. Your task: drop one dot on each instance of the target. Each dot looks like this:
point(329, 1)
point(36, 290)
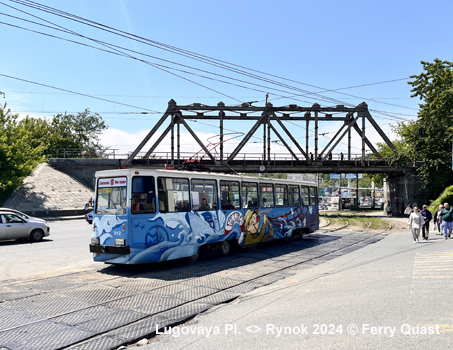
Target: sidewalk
point(389, 295)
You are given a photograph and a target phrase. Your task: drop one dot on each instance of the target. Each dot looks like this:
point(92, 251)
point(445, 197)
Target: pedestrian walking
point(388, 209)
point(415, 223)
point(437, 218)
point(408, 210)
point(447, 220)
point(427, 216)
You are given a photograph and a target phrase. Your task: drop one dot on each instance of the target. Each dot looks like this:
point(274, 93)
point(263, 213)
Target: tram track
point(217, 295)
point(367, 223)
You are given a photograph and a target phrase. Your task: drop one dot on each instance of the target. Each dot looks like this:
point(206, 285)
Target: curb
point(61, 218)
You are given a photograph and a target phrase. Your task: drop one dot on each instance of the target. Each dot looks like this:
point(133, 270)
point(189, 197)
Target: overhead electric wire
point(158, 66)
point(127, 55)
point(78, 93)
point(186, 53)
point(204, 59)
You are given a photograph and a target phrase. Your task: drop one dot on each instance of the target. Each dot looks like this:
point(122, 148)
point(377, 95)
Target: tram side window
point(294, 196)
point(313, 196)
point(305, 195)
point(281, 195)
point(173, 194)
point(204, 195)
point(249, 195)
point(143, 195)
point(267, 196)
point(229, 195)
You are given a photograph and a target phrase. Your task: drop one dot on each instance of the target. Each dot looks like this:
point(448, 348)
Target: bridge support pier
point(401, 190)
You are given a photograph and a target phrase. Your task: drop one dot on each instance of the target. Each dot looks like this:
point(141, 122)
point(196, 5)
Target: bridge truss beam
point(268, 118)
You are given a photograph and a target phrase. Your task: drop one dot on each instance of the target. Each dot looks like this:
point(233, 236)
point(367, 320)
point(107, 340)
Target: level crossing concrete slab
point(390, 295)
point(111, 306)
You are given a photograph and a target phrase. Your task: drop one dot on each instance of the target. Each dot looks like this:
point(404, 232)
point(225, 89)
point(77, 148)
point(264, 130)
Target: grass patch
point(445, 197)
point(378, 223)
point(358, 220)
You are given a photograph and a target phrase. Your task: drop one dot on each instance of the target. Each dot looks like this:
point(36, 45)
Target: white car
point(22, 215)
point(14, 226)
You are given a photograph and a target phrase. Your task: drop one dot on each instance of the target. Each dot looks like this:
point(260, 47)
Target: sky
point(327, 52)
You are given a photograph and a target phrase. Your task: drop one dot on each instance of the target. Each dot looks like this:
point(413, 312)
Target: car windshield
point(18, 213)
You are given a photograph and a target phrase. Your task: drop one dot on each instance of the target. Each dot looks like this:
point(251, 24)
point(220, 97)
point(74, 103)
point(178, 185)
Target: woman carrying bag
point(415, 223)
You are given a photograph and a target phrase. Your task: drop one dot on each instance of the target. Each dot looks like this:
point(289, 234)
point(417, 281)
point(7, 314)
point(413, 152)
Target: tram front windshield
point(111, 196)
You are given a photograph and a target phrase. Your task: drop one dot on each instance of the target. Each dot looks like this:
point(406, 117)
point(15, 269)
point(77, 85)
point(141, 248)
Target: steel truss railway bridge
point(277, 124)
point(280, 126)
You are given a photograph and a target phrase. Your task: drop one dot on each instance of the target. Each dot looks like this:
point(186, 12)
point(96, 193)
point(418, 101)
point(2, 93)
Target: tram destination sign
point(112, 182)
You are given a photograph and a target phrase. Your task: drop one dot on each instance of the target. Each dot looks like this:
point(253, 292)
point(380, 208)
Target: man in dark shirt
point(428, 217)
point(204, 205)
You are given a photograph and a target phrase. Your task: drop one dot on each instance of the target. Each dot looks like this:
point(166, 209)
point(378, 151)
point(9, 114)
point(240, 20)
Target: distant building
point(302, 177)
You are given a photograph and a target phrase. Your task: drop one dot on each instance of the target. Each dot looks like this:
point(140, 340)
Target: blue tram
point(144, 215)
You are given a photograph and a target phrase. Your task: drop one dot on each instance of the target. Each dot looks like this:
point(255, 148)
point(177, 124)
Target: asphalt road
point(65, 250)
point(104, 307)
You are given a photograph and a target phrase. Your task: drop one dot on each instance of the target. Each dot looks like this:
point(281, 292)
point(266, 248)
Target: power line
point(205, 59)
point(216, 64)
point(78, 93)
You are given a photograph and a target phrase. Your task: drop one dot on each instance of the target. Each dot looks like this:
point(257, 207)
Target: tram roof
point(193, 174)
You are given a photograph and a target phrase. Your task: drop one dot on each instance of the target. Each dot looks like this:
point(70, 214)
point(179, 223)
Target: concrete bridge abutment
point(84, 169)
point(403, 189)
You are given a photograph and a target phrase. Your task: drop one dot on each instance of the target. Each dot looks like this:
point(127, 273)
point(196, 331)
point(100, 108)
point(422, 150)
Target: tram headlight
point(120, 242)
point(95, 240)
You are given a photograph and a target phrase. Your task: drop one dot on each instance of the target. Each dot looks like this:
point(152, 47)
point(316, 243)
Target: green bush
point(445, 197)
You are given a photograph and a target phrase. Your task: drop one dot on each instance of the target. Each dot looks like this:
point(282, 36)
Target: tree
point(19, 153)
point(79, 132)
point(401, 157)
point(428, 140)
point(24, 143)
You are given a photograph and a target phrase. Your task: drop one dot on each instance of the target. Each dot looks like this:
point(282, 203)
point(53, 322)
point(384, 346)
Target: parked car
point(347, 203)
point(22, 215)
point(14, 226)
point(89, 217)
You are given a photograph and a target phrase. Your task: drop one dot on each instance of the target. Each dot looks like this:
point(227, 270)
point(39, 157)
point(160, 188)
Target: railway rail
point(113, 306)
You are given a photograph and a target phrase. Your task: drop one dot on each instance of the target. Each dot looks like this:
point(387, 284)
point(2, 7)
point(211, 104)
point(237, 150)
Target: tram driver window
point(143, 195)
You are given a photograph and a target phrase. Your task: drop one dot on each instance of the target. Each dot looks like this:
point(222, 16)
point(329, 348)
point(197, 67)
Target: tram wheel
point(194, 258)
point(225, 248)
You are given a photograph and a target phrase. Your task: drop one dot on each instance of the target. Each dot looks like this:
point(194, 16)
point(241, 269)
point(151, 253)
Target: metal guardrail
point(355, 159)
point(114, 154)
